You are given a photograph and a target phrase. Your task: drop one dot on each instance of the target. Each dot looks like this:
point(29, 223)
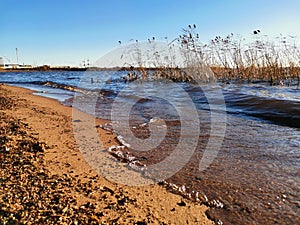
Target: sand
point(95, 199)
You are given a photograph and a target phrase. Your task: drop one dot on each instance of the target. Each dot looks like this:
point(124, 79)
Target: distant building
point(11, 66)
point(17, 66)
point(1, 62)
point(25, 66)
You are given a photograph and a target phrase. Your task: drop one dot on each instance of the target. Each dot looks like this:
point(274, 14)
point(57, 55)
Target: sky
point(66, 32)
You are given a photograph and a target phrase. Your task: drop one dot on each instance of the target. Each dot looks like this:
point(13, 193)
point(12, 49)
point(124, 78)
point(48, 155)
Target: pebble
point(32, 195)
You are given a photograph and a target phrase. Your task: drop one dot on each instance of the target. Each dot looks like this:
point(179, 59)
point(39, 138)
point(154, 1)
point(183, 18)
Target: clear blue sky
point(65, 32)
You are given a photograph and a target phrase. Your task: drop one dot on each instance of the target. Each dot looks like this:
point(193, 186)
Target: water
point(255, 177)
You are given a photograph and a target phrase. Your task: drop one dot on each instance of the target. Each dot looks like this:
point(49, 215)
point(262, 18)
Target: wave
point(279, 111)
point(59, 86)
point(282, 112)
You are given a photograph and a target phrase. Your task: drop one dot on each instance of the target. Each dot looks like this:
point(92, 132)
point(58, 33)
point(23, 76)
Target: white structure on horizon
point(1, 62)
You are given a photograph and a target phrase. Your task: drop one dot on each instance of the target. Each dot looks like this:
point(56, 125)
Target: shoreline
point(50, 122)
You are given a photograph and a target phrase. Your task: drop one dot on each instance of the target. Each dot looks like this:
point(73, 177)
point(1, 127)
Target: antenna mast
point(17, 56)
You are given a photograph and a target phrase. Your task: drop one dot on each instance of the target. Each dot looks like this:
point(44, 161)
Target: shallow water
point(256, 174)
point(253, 180)
point(255, 177)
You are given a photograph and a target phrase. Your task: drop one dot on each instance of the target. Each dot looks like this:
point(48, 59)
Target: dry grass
point(229, 58)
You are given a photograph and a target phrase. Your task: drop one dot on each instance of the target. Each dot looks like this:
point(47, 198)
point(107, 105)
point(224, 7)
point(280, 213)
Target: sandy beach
point(45, 179)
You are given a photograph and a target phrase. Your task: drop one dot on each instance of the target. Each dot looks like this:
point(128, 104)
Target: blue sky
point(65, 32)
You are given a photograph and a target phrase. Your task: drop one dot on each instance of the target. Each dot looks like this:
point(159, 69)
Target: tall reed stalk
point(231, 58)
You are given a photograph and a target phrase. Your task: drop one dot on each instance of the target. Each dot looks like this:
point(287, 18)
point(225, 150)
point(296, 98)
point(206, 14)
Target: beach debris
point(122, 141)
point(181, 203)
point(216, 203)
point(106, 126)
point(122, 154)
point(158, 121)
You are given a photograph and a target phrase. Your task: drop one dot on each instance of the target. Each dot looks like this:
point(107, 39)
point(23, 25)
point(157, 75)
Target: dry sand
point(85, 196)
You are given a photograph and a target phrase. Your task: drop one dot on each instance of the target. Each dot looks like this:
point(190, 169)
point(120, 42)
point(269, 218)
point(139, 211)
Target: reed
point(276, 61)
point(230, 58)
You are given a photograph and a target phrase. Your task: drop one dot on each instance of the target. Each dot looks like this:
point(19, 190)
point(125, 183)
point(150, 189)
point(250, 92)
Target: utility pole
point(17, 56)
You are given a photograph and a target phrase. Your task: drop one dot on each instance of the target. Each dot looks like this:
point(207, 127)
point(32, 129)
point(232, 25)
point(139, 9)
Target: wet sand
point(45, 179)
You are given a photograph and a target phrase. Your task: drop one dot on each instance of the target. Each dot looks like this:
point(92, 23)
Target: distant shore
point(70, 68)
point(284, 75)
point(44, 68)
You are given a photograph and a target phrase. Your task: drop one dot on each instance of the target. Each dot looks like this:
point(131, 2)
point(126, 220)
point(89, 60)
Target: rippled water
point(255, 177)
